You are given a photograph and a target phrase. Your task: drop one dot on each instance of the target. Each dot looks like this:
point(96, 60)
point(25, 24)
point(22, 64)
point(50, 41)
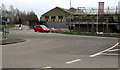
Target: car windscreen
point(37, 26)
point(43, 26)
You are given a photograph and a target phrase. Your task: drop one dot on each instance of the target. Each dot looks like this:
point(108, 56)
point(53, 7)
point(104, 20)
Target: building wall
point(57, 25)
point(55, 15)
point(92, 28)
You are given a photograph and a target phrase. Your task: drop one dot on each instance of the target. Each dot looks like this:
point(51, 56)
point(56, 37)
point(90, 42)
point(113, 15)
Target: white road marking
point(73, 61)
point(103, 51)
point(110, 54)
point(47, 67)
point(113, 50)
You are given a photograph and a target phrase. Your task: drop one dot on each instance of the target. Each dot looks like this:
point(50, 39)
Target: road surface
point(51, 50)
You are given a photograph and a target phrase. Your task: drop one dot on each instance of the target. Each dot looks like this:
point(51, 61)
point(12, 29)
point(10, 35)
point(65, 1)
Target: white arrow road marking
point(104, 51)
point(73, 61)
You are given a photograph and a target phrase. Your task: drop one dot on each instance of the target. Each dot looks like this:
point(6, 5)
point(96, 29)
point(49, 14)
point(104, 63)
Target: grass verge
point(8, 26)
point(91, 34)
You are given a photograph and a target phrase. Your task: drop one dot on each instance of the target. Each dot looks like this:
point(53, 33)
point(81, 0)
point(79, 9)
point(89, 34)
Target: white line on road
point(110, 54)
point(73, 61)
point(47, 67)
point(103, 51)
point(113, 50)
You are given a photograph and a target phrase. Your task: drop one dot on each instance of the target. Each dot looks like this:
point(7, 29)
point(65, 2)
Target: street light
point(97, 24)
point(69, 26)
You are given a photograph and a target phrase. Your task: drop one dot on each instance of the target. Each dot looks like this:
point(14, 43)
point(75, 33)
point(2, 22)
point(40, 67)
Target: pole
point(69, 21)
point(79, 25)
point(107, 24)
point(97, 24)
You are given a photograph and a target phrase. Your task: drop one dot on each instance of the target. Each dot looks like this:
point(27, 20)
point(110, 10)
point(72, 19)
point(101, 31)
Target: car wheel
point(35, 30)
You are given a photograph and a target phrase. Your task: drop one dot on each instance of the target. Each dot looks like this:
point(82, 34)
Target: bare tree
point(0, 11)
point(12, 13)
point(3, 10)
point(17, 16)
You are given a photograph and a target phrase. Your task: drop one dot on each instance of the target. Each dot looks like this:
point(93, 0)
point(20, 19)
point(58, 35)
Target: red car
point(41, 28)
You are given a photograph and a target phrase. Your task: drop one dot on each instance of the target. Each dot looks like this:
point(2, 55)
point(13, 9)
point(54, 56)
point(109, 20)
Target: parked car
point(41, 28)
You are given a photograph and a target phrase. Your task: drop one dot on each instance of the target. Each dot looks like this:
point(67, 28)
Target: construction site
point(101, 19)
point(91, 20)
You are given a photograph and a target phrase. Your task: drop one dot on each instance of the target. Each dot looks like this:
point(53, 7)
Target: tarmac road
point(51, 50)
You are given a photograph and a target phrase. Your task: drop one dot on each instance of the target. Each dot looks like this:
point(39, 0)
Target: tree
point(3, 7)
point(3, 10)
point(17, 16)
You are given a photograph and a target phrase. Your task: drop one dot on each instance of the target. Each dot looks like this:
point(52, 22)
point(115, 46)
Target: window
point(60, 17)
point(43, 26)
point(46, 17)
point(53, 17)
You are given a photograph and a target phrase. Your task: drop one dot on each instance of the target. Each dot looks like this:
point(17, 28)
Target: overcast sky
point(42, 6)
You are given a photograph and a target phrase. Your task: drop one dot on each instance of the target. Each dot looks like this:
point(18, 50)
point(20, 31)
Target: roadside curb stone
point(11, 41)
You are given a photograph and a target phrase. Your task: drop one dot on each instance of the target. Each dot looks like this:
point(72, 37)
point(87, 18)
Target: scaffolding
point(97, 22)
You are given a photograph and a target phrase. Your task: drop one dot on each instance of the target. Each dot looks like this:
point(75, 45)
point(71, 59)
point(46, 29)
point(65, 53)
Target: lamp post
point(70, 24)
point(97, 24)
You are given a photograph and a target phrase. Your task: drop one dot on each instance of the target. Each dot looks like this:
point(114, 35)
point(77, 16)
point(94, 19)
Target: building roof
point(57, 8)
point(72, 10)
point(76, 11)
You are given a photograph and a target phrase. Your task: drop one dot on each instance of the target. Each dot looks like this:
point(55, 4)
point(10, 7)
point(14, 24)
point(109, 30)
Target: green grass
point(9, 26)
point(92, 34)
